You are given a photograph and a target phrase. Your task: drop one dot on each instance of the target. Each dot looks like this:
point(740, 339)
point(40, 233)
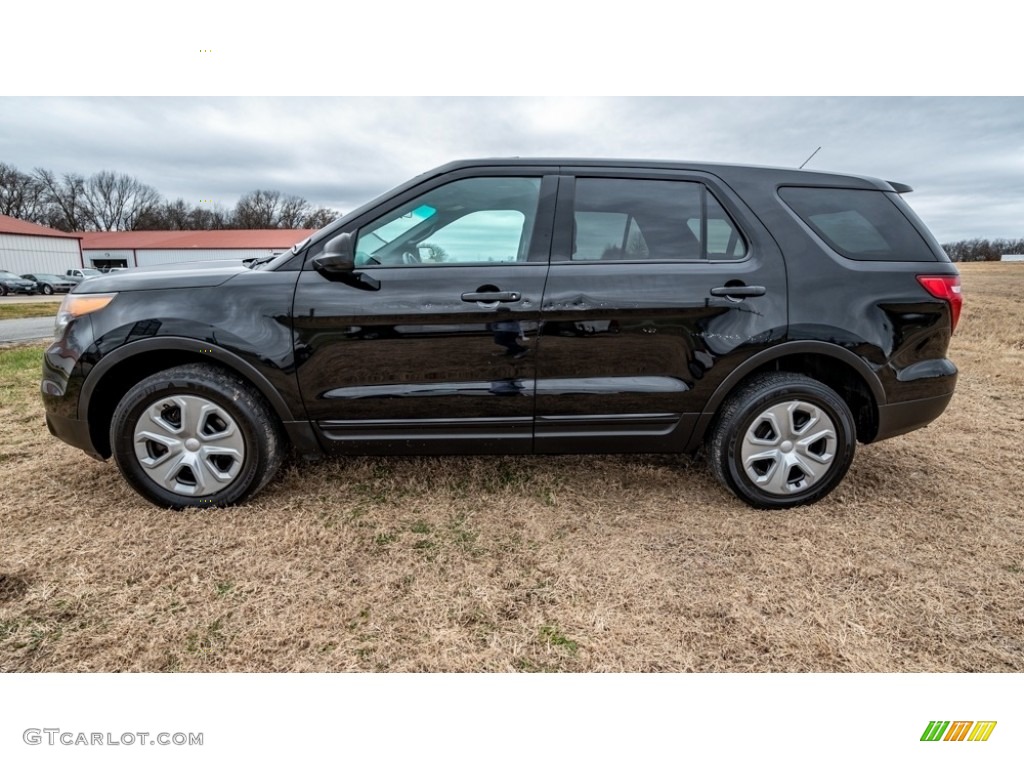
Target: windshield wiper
point(259, 261)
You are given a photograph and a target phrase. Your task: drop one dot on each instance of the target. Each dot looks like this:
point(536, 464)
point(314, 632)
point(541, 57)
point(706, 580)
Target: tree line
point(116, 202)
point(982, 250)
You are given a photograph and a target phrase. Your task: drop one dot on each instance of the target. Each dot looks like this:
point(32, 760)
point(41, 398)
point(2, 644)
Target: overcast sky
point(963, 156)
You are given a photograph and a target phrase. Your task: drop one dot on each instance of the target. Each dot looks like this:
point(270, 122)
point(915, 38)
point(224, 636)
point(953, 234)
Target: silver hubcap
point(189, 445)
point(789, 447)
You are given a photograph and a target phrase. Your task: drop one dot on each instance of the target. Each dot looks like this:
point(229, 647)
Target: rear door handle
point(738, 291)
point(490, 297)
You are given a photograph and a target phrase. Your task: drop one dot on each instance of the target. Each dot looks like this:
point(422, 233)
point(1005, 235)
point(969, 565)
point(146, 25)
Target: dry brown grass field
point(915, 563)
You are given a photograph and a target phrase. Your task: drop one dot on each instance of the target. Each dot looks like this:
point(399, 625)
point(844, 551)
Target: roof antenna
point(805, 162)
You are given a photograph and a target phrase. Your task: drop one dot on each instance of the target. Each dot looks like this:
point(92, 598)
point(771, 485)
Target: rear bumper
point(73, 432)
point(899, 418)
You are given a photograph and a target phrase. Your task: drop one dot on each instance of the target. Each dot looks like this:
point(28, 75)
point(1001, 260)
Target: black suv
point(773, 316)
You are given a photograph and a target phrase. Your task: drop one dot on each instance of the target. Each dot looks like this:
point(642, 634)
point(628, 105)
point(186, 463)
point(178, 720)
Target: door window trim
point(540, 238)
point(566, 209)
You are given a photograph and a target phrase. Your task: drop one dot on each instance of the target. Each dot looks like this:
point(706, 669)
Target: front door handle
point(491, 297)
point(738, 291)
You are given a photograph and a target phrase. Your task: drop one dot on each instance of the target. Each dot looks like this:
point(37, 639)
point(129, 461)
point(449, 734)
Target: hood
point(159, 280)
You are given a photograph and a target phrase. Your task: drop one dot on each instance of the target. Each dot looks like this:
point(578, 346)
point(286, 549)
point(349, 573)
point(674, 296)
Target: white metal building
point(1013, 257)
point(27, 248)
point(149, 249)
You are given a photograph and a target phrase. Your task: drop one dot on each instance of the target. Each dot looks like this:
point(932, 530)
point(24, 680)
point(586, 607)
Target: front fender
point(228, 359)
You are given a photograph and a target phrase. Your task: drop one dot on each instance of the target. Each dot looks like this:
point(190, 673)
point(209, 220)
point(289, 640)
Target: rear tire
point(782, 440)
point(196, 436)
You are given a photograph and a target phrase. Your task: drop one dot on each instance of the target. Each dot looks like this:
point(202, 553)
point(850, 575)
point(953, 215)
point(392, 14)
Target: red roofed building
point(148, 249)
point(27, 248)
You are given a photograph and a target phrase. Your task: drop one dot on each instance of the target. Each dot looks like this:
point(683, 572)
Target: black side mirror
point(338, 262)
point(338, 256)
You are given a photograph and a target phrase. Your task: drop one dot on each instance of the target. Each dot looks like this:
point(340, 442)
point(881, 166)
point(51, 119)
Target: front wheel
point(47, 290)
point(782, 440)
point(195, 436)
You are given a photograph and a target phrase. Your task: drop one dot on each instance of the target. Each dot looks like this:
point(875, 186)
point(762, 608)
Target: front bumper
point(73, 432)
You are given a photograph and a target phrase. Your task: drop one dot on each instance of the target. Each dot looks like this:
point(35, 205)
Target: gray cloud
point(963, 156)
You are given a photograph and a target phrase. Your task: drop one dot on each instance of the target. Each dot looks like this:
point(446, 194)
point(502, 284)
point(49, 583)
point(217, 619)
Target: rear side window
point(641, 219)
point(861, 224)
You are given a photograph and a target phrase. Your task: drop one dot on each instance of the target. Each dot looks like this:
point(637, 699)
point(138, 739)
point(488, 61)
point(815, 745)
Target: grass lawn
point(19, 310)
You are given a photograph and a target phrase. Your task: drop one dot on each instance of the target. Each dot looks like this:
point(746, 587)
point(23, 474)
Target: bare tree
point(110, 201)
point(166, 216)
point(319, 218)
point(21, 196)
point(257, 210)
point(271, 209)
point(179, 215)
point(115, 201)
point(293, 211)
point(982, 250)
point(65, 200)
point(210, 218)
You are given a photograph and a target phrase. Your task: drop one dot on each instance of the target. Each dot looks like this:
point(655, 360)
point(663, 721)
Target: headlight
point(77, 304)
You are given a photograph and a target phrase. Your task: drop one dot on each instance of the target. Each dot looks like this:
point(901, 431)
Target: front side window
point(861, 224)
point(469, 221)
point(640, 219)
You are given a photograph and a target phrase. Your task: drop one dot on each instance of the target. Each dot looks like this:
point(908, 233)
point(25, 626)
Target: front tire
point(195, 436)
point(47, 290)
point(782, 440)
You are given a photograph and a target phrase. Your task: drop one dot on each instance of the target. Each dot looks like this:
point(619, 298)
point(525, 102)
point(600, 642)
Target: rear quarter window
point(861, 224)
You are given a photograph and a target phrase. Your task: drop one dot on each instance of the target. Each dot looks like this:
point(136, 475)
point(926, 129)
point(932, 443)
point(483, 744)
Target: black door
point(657, 287)
point(432, 349)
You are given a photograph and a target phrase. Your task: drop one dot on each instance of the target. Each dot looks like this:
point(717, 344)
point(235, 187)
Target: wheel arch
point(837, 367)
point(123, 368)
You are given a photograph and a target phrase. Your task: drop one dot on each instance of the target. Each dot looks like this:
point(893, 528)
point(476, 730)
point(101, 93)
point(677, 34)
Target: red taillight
point(945, 287)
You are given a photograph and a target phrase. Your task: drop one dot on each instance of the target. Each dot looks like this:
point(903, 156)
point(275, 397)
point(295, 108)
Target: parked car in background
point(78, 275)
point(11, 283)
point(772, 317)
point(51, 284)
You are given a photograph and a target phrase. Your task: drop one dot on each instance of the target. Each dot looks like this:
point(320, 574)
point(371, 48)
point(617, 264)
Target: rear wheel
point(782, 440)
point(195, 436)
